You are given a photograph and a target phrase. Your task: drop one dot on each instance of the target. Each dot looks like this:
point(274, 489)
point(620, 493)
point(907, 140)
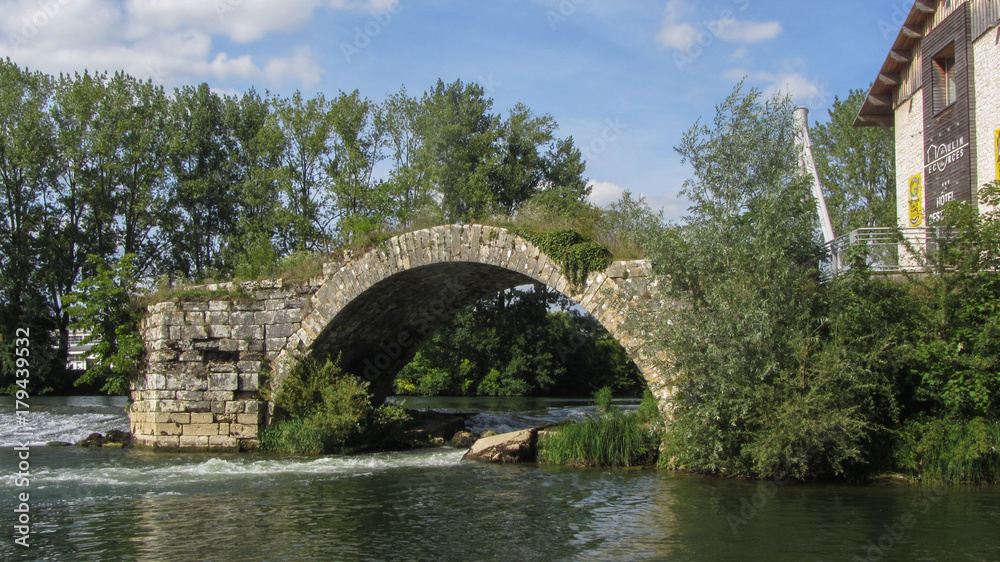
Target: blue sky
point(625, 79)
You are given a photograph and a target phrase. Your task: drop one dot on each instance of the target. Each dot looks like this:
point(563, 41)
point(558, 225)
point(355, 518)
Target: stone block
point(229, 345)
point(276, 344)
point(221, 367)
point(219, 331)
point(249, 381)
point(202, 418)
point(248, 419)
point(166, 429)
point(243, 430)
point(164, 442)
point(163, 417)
point(249, 367)
point(263, 317)
point(244, 332)
point(223, 381)
point(167, 406)
point(289, 316)
point(194, 332)
point(216, 306)
point(200, 429)
point(196, 407)
point(174, 319)
point(235, 407)
point(252, 406)
point(193, 441)
point(193, 356)
point(223, 442)
point(181, 418)
point(191, 395)
point(163, 356)
point(155, 381)
point(218, 407)
point(241, 318)
point(279, 331)
point(219, 395)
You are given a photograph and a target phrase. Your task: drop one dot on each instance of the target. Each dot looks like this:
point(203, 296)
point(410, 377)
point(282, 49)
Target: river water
point(106, 504)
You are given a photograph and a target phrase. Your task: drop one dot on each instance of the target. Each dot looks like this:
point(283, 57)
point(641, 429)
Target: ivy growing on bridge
point(575, 254)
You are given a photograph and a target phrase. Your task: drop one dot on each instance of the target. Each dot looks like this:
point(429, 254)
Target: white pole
point(807, 166)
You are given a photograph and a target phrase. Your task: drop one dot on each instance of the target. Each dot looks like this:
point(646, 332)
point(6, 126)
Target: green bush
point(321, 409)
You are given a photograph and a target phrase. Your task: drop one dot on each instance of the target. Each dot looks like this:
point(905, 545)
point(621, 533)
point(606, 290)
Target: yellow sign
point(996, 145)
point(916, 200)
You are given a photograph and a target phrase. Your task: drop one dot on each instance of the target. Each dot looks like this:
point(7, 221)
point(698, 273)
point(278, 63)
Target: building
point(939, 90)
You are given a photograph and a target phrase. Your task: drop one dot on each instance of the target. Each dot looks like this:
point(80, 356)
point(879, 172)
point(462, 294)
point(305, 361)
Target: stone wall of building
point(909, 154)
point(201, 388)
point(986, 57)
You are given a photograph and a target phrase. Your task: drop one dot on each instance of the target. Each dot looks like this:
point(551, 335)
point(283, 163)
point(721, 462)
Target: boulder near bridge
point(201, 388)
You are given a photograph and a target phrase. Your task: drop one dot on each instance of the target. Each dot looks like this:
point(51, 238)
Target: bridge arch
point(205, 358)
point(377, 310)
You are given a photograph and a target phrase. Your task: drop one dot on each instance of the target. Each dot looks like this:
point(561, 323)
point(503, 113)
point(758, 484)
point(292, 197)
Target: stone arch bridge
point(201, 388)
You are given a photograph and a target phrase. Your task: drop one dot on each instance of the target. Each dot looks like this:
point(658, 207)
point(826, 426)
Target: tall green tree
point(308, 132)
point(364, 203)
point(27, 178)
point(857, 167)
point(762, 386)
point(201, 199)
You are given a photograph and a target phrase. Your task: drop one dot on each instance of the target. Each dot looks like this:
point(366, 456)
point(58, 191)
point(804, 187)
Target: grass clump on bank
point(321, 409)
point(952, 450)
point(618, 438)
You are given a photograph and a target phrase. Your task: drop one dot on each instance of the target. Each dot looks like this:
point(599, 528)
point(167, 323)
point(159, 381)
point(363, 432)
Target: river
point(107, 504)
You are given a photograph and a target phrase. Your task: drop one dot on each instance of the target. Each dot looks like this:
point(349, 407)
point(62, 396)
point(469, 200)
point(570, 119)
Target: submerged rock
point(516, 446)
point(114, 438)
point(58, 444)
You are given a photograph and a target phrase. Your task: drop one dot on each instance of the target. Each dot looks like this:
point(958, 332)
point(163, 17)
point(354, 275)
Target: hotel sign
point(916, 201)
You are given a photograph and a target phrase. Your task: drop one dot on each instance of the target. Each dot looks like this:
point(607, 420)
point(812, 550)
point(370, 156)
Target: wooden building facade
point(939, 89)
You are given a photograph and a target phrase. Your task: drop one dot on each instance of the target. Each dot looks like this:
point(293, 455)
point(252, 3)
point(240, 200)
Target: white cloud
point(802, 90)
point(364, 5)
point(241, 21)
point(682, 28)
point(170, 41)
point(604, 193)
point(740, 54)
point(748, 32)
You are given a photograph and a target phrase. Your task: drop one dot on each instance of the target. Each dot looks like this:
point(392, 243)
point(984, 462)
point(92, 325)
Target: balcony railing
point(888, 250)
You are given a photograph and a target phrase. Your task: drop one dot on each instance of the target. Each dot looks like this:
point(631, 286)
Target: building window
point(945, 85)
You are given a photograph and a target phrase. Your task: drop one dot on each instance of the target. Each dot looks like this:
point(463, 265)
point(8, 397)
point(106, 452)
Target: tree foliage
point(756, 352)
point(857, 168)
point(521, 342)
point(196, 185)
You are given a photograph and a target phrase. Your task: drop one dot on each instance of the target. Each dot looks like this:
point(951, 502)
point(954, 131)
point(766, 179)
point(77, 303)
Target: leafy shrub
point(322, 409)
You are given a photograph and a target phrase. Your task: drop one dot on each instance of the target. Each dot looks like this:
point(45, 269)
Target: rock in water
point(516, 446)
point(463, 440)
